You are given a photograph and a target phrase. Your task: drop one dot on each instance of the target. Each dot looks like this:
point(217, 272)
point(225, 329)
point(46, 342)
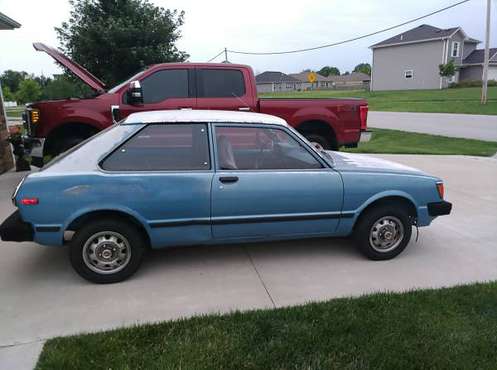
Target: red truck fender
point(316, 123)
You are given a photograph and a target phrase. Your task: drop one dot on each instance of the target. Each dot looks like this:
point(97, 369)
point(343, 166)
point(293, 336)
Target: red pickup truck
point(55, 126)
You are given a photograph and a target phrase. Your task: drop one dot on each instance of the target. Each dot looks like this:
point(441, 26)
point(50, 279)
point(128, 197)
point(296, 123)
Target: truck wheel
point(106, 251)
point(68, 144)
point(383, 232)
point(318, 141)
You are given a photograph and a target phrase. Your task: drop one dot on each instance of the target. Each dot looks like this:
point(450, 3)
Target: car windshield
point(132, 78)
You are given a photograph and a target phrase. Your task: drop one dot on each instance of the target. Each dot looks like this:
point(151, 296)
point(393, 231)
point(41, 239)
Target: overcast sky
point(254, 26)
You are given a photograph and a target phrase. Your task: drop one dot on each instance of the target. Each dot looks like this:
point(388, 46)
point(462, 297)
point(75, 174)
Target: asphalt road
point(467, 126)
point(41, 297)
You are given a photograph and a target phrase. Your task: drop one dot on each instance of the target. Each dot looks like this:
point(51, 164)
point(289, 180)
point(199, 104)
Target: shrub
point(471, 83)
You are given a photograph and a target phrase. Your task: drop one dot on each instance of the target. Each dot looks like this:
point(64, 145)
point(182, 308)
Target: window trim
point(406, 71)
point(145, 125)
point(324, 165)
point(200, 78)
point(454, 43)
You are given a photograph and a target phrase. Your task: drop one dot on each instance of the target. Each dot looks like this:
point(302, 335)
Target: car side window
point(252, 148)
point(165, 84)
point(221, 83)
point(163, 147)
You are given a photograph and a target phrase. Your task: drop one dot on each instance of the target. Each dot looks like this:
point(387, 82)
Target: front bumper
point(439, 208)
point(14, 229)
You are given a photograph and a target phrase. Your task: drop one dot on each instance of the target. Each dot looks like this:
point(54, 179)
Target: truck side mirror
point(135, 93)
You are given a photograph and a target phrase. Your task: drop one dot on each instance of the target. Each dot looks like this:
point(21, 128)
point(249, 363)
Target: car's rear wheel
point(106, 251)
point(383, 232)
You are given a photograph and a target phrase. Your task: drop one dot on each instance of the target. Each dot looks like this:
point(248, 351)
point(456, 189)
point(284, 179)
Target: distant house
point(321, 81)
point(410, 60)
point(355, 80)
point(272, 81)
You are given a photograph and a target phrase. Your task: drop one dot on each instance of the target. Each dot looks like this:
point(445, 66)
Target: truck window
point(220, 83)
point(168, 83)
point(163, 147)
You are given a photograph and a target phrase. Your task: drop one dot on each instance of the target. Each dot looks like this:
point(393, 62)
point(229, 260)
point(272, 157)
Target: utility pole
point(226, 55)
point(484, 85)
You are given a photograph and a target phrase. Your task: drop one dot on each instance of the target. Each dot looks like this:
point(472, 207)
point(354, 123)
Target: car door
point(224, 88)
point(164, 174)
point(268, 184)
point(163, 89)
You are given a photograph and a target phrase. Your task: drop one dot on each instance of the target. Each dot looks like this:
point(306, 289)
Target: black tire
point(321, 140)
point(132, 238)
point(68, 143)
point(367, 240)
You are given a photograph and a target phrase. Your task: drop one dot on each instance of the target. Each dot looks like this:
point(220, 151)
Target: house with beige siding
point(410, 60)
point(273, 81)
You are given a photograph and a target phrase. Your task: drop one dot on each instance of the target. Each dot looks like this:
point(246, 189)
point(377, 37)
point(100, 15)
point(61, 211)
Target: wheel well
point(319, 128)
point(397, 200)
point(67, 130)
point(92, 216)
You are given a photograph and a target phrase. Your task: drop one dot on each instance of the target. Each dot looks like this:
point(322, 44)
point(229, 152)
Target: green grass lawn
point(460, 100)
point(401, 142)
point(443, 328)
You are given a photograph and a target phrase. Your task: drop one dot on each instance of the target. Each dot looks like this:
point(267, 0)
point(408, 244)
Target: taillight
point(29, 201)
point(440, 189)
point(363, 114)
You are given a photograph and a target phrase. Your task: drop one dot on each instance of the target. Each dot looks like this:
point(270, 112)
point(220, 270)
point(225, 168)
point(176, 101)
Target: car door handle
point(244, 109)
point(228, 179)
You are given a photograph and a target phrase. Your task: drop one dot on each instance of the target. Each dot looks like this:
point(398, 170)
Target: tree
point(64, 86)
point(448, 69)
point(29, 91)
point(329, 71)
point(346, 73)
point(7, 94)
point(363, 68)
point(12, 79)
point(115, 38)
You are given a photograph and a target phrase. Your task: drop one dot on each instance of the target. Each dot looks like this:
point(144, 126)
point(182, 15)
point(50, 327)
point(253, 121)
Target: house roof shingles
point(420, 33)
point(303, 76)
point(274, 77)
point(477, 56)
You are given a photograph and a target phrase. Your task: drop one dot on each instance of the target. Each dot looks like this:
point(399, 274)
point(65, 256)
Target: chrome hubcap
point(386, 234)
point(106, 252)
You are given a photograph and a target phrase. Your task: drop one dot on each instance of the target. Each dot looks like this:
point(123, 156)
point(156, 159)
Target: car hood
point(74, 67)
point(353, 162)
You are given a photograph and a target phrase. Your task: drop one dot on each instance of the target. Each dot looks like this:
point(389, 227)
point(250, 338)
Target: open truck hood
point(74, 67)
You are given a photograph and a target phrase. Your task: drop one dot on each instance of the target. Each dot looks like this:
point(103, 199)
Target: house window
point(455, 49)
point(408, 74)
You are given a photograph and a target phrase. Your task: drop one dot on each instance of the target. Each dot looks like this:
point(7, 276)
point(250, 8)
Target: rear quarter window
point(163, 147)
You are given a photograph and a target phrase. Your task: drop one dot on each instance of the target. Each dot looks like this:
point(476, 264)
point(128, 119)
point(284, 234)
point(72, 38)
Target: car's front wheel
point(106, 251)
point(383, 232)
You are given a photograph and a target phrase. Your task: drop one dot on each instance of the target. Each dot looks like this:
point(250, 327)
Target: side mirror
point(135, 93)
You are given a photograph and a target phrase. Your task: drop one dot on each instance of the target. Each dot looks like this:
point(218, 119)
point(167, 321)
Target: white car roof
point(189, 115)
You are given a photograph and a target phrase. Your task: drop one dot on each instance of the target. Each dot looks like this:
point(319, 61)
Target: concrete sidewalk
point(466, 126)
point(41, 297)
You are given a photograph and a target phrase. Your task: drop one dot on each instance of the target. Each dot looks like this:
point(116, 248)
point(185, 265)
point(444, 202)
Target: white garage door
point(492, 73)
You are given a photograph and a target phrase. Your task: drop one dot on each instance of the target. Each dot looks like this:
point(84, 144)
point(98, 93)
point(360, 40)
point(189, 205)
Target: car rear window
point(163, 147)
point(221, 83)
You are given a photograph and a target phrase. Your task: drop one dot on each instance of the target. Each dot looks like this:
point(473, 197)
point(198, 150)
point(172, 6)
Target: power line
point(210, 60)
point(344, 41)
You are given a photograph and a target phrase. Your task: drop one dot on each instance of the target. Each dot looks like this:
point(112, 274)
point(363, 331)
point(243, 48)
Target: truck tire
point(106, 250)
point(383, 232)
point(318, 141)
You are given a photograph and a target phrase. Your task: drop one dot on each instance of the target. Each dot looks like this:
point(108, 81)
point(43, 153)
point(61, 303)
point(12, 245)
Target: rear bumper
point(365, 136)
point(14, 229)
point(439, 208)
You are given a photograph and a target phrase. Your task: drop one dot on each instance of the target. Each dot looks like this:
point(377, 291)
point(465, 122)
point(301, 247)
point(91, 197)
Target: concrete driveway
point(41, 297)
point(453, 125)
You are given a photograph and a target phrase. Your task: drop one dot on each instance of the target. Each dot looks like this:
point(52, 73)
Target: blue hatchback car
point(170, 178)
